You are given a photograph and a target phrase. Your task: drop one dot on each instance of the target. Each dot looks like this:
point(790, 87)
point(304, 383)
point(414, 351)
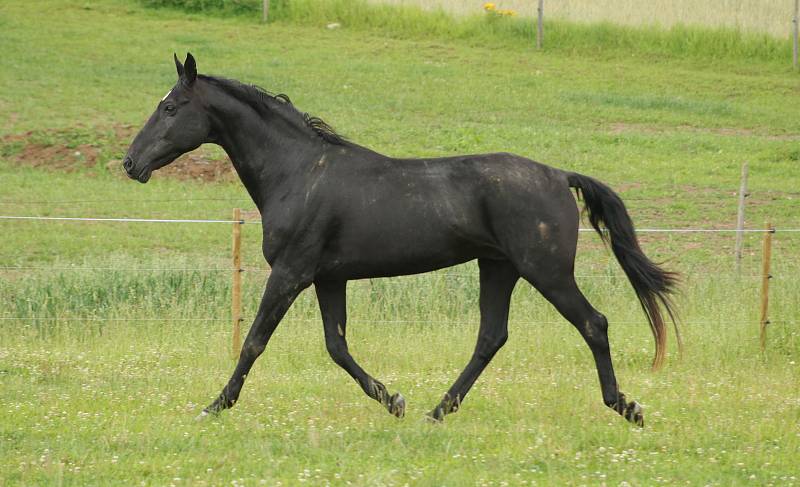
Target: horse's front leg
point(283, 286)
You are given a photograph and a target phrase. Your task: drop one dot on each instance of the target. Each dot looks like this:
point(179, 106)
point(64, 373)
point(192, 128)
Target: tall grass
point(408, 20)
point(215, 6)
point(84, 299)
point(761, 16)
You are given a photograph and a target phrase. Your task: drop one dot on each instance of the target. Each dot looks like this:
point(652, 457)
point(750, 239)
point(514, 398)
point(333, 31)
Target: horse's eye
point(170, 109)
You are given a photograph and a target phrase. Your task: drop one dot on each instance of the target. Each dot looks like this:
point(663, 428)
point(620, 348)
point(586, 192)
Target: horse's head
point(179, 124)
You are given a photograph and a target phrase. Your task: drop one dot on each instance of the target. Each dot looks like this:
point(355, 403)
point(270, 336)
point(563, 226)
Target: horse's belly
point(383, 252)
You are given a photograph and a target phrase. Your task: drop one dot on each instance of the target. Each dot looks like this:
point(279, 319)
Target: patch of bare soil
point(198, 165)
point(59, 157)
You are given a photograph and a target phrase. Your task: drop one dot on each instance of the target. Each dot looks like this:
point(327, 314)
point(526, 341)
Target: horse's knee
point(488, 346)
point(252, 349)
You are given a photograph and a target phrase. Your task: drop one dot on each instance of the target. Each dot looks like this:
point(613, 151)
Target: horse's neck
point(268, 155)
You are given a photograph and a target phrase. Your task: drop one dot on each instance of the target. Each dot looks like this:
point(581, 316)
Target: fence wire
point(381, 322)
point(123, 200)
point(266, 270)
point(258, 222)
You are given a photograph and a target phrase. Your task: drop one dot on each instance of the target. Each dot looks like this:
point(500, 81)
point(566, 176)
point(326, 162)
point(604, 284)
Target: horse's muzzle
point(142, 176)
point(127, 163)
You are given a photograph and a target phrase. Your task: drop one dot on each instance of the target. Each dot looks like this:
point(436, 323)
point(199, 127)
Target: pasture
point(113, 336)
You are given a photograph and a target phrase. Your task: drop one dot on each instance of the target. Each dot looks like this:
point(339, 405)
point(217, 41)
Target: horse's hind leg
point(332, 304)
point(497, 280)
point(559, 287)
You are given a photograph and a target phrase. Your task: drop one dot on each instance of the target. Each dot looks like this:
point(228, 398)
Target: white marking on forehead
point(165, 96)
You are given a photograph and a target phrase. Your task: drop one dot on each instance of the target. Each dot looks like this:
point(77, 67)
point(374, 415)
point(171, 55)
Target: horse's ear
point(189, 69)
point(178, 65)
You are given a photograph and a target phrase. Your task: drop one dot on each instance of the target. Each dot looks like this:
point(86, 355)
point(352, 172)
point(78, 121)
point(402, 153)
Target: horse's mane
point(258, 98)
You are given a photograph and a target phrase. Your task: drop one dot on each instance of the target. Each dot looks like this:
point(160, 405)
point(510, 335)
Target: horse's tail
point(653, 285)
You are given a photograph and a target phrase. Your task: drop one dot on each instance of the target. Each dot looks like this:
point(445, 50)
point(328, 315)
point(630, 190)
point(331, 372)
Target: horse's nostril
point(127, 163)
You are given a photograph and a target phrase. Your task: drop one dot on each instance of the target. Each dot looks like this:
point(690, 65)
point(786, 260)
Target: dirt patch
point(60, 158)
point(624, 187)
point(199, 167)
point(53, 150)
point(124, 133)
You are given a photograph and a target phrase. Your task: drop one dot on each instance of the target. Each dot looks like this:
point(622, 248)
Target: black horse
point(333, 211)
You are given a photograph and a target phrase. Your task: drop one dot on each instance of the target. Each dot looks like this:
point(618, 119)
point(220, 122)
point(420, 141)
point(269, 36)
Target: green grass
point(597, 39)
point(114, 336)
point(120, 396)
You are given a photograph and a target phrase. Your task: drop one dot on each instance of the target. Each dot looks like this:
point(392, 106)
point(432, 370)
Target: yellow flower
point(488, 6)
point(508, 13)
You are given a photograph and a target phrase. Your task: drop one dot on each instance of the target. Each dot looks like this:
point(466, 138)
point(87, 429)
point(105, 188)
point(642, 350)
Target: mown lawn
point(104, 367)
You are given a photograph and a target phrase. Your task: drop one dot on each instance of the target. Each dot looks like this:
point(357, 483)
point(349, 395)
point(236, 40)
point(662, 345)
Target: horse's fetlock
point(618, 404)
point(449, 404)
point(378, 391)
point(455, 404)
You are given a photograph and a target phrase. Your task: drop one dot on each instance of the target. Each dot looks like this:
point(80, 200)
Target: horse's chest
point(290, 234)
point(275, 240)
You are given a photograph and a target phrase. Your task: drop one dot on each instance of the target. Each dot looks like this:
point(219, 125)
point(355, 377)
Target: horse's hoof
point(397, 405)
point(436, 416)
point(634, 414)
point(429, 418)
point(206, 413)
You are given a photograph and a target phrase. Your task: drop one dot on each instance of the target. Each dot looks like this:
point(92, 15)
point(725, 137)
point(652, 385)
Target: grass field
point(113, 337)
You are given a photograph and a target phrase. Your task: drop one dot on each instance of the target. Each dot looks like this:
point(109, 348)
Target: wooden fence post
point(765, 277)
point(740, 219)
point(236, 288)
point(540, 24)
point(265, 11)
point(795, 33)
